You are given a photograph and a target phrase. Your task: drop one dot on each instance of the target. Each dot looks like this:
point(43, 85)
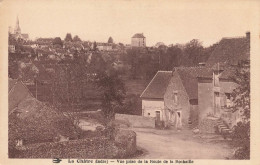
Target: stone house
point(104, 46)
point(214, 96)
point(138, 40)
point(214, 91)
point(172, 96)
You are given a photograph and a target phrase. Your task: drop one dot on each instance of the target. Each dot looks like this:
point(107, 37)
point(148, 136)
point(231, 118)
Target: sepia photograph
point(129, 79)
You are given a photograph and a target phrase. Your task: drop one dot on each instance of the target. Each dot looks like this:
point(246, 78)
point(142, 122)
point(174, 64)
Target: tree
point(113, 91)
point(68, 37)
point(194, 50)
point(241, 95)
point(76, 38)
point(110, 40)
point(57, 41)
point(132, 58)
point(241, 100)
point(94, 46)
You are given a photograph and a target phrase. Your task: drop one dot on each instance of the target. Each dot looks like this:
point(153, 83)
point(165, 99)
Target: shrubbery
point(241, 138)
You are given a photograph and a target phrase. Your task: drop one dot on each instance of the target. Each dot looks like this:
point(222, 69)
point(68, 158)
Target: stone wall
point(183, 99)
point(123, 146)
point(205, 99)
point(136, 121)
point(208, 125)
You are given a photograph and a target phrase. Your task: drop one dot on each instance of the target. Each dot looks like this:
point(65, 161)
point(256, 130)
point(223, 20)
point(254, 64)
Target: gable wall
point(205, 99)
point(151, 106)
point(206, 96)
point(183, 98)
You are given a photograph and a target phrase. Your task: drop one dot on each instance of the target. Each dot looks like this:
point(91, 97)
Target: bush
point(241, 139)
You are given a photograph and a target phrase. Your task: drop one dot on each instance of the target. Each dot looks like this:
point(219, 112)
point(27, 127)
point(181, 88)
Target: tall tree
point(194, 50)
point(68, 37)
point(110, 40)
point(57, 41)
point(94, 46)
point(76, 38)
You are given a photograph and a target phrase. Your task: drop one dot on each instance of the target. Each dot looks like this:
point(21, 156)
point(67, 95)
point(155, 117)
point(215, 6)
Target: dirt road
point(165, 144)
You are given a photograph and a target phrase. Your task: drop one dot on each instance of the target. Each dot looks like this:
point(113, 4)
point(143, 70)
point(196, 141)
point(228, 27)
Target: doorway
point(178, 120)
point(157, 115)
point(157, 119)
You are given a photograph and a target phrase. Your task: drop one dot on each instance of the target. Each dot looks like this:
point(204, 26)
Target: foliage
point(144, 63)
point(194, 50)
point(57, 41)
point(76, 38)
point(241, 100)
point(241, 138)
point(132, 105)
point(44, 124)
point(110, 40)
point(241, 95)
point(68, 37)
point(95, 46)
point(113, 91)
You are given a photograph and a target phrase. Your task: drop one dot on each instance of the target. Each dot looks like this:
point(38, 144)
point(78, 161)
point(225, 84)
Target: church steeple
point(17, 29)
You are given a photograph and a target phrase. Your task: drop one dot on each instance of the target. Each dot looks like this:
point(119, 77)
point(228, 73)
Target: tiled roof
point(158, 85)
point(227, 71)
point(230, 51)
point(189, 79)
point(17, 92)
point(139, 35)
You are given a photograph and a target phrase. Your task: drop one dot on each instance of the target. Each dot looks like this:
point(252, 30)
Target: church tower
point(17, 29)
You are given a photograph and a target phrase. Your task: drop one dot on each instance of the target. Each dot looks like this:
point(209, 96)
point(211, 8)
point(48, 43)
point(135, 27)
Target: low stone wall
point(136, 121)
point(208, 125)
point(93, 148)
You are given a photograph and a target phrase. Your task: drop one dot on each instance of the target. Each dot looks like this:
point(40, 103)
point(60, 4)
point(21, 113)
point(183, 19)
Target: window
point(175, 97)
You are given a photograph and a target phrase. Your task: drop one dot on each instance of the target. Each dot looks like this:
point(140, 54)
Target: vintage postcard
point(129, 82)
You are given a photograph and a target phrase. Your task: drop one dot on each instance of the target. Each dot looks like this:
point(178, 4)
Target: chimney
point(248, 35)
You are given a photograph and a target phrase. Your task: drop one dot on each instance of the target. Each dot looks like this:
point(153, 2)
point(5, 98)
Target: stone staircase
point(223, 129)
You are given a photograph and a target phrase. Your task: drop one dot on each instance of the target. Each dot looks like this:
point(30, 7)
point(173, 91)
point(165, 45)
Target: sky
point(169, 22)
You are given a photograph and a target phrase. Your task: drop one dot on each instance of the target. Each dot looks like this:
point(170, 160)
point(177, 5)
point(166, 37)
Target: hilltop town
point(116, 97)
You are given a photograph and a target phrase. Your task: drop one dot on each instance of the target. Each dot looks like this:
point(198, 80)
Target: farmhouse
point(172, 96)
point(214, 95)
point(214, 91)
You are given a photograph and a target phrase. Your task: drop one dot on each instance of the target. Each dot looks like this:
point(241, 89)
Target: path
point(169, 144)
